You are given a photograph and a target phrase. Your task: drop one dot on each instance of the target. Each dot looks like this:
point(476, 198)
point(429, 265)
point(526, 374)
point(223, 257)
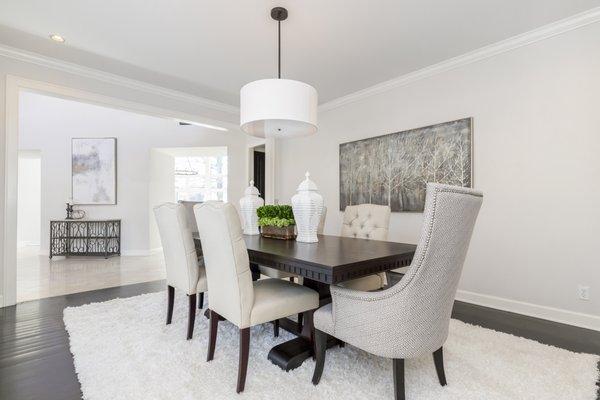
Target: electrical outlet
point(583, 292)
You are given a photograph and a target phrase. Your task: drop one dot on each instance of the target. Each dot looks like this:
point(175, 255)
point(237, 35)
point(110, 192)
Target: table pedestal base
point(291, 354)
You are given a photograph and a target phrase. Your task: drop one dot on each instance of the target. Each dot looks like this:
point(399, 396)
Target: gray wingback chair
point(411, 318)
point(366, 221)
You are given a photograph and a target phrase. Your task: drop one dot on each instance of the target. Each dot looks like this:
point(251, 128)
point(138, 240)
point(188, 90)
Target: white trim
point(136, 253)
point(587, 321)
point(27, 243)
point(547, 31)
point(112, 102)
point(11, 166)
point(156, 250)
point(72, 68)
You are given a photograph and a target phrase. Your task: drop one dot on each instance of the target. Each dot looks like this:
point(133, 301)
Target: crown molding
point(547, 31)
point(87, 72)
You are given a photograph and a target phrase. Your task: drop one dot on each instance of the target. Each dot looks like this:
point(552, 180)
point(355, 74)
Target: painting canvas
point(93, 170)
point(394, 169)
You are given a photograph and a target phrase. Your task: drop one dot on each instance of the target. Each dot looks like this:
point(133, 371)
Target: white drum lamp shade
point(279, 108)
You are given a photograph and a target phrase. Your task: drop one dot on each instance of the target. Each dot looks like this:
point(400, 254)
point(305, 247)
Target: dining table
point(330, 261)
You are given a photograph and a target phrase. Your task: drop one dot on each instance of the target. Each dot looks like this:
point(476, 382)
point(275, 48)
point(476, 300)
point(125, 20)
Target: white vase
point(248, 205)
point(307, 205)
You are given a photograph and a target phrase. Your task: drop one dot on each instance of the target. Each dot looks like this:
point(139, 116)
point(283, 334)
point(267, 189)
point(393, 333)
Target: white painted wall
point(536, 146)
point(29, 198)
point(49, 123)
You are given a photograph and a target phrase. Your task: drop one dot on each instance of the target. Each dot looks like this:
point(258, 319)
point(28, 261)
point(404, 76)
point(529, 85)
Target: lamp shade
point(278, 108)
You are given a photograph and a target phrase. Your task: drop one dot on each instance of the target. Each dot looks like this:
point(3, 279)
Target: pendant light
point(279, 108)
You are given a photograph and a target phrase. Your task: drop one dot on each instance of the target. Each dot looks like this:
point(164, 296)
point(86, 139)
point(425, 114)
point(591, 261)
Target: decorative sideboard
point(70, 237)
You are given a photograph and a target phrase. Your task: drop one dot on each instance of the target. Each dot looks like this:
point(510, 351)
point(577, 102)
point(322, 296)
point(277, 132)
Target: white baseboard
point(27, 243)
point(587, 321)
point(135, 253)
point(124, 253)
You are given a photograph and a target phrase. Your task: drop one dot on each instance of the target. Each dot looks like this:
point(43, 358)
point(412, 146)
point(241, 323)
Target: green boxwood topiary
point(275, 215)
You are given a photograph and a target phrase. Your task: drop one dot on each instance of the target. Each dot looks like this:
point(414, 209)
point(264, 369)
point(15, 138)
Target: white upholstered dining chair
point(366, 221)
point(233, 294)
point(411, 318)
point(184, 271)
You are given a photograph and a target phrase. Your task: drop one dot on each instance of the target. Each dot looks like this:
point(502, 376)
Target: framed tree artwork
point(94, 170)
point(394, 169)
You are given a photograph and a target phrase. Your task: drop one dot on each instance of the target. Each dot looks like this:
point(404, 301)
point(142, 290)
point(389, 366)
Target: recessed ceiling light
point(57, 38)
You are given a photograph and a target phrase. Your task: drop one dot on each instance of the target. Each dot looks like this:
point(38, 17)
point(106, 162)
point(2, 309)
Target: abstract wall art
point(394, 169)
point(94, 170)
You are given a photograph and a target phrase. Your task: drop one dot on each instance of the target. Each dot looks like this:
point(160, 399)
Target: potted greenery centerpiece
point(276, 221)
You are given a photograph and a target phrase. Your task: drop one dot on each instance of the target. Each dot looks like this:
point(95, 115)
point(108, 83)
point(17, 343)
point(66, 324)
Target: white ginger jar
point(307, 205)
point(248, 205)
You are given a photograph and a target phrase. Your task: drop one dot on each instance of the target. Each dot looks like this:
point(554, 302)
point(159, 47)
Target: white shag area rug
point(122, 349)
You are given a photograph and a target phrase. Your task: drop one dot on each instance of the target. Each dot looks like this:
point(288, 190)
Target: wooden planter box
point(275, 232)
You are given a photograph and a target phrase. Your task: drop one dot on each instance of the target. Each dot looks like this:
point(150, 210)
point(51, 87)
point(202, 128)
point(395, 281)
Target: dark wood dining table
point(334, 259)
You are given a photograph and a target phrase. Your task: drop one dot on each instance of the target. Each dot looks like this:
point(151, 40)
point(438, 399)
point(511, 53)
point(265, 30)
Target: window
point(201, 178)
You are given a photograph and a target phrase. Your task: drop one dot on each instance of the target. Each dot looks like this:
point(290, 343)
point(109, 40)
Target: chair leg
point(170, 301)
point(212, 335)
point(276, 328)
point(243, 365)
point(191, 315)
point(201, 301)
point(438, 359)
point(292, 279)
point(398, 379)
point(320, 347)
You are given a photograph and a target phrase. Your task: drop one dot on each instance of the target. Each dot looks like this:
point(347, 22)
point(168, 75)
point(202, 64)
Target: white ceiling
point(212, 48)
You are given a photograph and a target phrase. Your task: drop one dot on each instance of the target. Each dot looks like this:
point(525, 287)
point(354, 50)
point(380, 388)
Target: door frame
point(14, 86)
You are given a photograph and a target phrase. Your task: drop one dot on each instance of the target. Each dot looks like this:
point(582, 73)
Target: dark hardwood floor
point(35, 361)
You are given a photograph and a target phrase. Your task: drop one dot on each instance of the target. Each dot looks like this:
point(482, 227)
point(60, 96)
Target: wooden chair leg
point(201, 301)
point(276, 328)
point(212, 335)
point(243, 365)
point(170, 301)
point(191, 315)
point(320, 347)
point(438, 359)
point(398, 378)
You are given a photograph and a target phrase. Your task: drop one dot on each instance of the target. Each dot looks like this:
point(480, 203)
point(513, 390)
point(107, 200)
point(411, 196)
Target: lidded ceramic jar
point(307, 205)
point(248, 205)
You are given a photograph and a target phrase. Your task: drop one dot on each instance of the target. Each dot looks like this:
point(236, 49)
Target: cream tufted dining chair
point(234, 296)
point(184, 271)
point(411, 318)
point(366, 221)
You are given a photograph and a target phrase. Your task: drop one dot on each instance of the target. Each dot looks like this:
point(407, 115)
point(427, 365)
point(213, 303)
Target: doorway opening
point(259, 168)
point(189, 175)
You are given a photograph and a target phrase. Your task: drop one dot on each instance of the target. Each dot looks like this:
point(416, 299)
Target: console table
point(70, 237)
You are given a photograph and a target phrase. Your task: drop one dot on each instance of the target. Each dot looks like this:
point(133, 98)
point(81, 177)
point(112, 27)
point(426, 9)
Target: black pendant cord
point(279, 49)
point(279, 14)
